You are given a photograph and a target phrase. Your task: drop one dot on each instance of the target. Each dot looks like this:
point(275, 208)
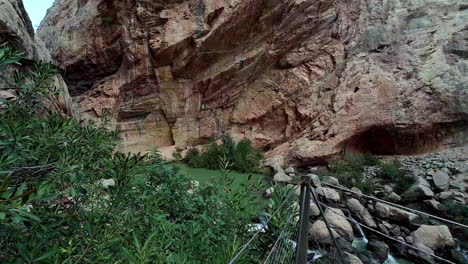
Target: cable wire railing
point(292, 243)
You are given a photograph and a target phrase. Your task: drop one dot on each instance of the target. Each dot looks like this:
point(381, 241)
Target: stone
point(441, 180)
point(318, 230)
point(331, 180)
point(393, 197)
point(388, 189)
point(444, 195)
point(409, 240)
point(395, 214)
point(459, 184)
point(360, 212)
point(340, 224)
point(269, 192)
point(419, 190)
point(433, 237)
point(395, 231)
point(289, 170)
point(351, 259)
point(314, 210)
point(106, 183)
point(356, 190)
point(379, 248)
point(297, 191)
point(433, 204)
point(314, 179)
point(423, 253)
point(281, 177)
point(329, 194)
point(383, 229)
point(276, 163)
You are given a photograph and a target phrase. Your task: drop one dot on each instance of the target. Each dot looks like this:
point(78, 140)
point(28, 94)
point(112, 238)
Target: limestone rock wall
point(17, 30)
point(305, 79)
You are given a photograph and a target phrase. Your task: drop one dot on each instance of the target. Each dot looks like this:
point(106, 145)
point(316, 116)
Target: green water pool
point(205, 176)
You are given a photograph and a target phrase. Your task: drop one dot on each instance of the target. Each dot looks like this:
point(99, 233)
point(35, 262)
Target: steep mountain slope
point(306, 79)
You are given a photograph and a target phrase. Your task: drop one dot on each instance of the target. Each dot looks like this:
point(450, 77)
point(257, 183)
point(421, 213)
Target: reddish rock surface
point(17, 30)
point(305, 79)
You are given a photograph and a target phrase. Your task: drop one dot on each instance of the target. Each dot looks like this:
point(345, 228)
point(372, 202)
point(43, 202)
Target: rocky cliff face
point(17, 30)
point(306, 79)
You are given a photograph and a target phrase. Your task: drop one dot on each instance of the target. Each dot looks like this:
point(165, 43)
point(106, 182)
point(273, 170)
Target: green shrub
point(392, 172)
point(456, 211)
point(55, 208)
point(243, 156)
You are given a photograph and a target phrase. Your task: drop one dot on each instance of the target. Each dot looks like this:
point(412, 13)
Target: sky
point(37, 10)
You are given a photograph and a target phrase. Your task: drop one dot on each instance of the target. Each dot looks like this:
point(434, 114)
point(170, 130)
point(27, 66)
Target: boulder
point(281, 177)
point(314, 179)
point(351, 259)
point(106, 183)
point(356, 190)
point(314, 210)
point(433, 237)
point(419, 190)
point(396, 214)
point(422, 255)
point(339, 223)
point(379, 249)
point(393, 197)
point(331, 180)
point(276, 163)
point(329, 194)
point(319, 232)
point(269, 192)
point(441, 180)
point(433, 204)
point(360, 212)
point(444, 195)
point(289, 170)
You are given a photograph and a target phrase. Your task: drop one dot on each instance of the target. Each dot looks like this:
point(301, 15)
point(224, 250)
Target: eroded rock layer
point(306, 79)
point(16, 30)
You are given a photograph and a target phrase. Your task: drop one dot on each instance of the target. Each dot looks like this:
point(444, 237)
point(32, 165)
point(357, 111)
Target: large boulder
point(319, 232)
point(441, 180)
point(434, 237)
point(360, 212)
point(328, 194)
point(419, 190)
point(337, 220)
point(396, 214)
point(379, 249)
point(281, 177)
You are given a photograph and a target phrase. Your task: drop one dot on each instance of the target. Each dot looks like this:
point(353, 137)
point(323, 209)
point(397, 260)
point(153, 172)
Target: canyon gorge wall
point(17, 30)
point(304, 79)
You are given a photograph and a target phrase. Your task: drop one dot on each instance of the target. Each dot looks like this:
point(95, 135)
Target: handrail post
point(303, 237)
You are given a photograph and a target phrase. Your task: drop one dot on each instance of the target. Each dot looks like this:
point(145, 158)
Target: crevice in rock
point(405, 140)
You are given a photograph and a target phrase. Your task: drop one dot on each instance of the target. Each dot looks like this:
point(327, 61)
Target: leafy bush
point(392, 172)
point(456, 211)
point(350, 171)
point(243, 156)
point(67, 197)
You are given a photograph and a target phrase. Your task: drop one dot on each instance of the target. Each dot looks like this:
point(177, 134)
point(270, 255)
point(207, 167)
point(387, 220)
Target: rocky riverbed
point(439, 188)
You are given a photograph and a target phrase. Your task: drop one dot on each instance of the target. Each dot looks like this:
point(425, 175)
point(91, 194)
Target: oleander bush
point(66, 195)
point(242, 155)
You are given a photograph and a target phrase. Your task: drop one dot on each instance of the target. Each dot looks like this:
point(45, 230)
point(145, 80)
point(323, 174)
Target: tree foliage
point(66, 196)
point(243, 156)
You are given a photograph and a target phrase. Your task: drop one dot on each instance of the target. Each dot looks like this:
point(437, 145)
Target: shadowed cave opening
point(407, 140)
